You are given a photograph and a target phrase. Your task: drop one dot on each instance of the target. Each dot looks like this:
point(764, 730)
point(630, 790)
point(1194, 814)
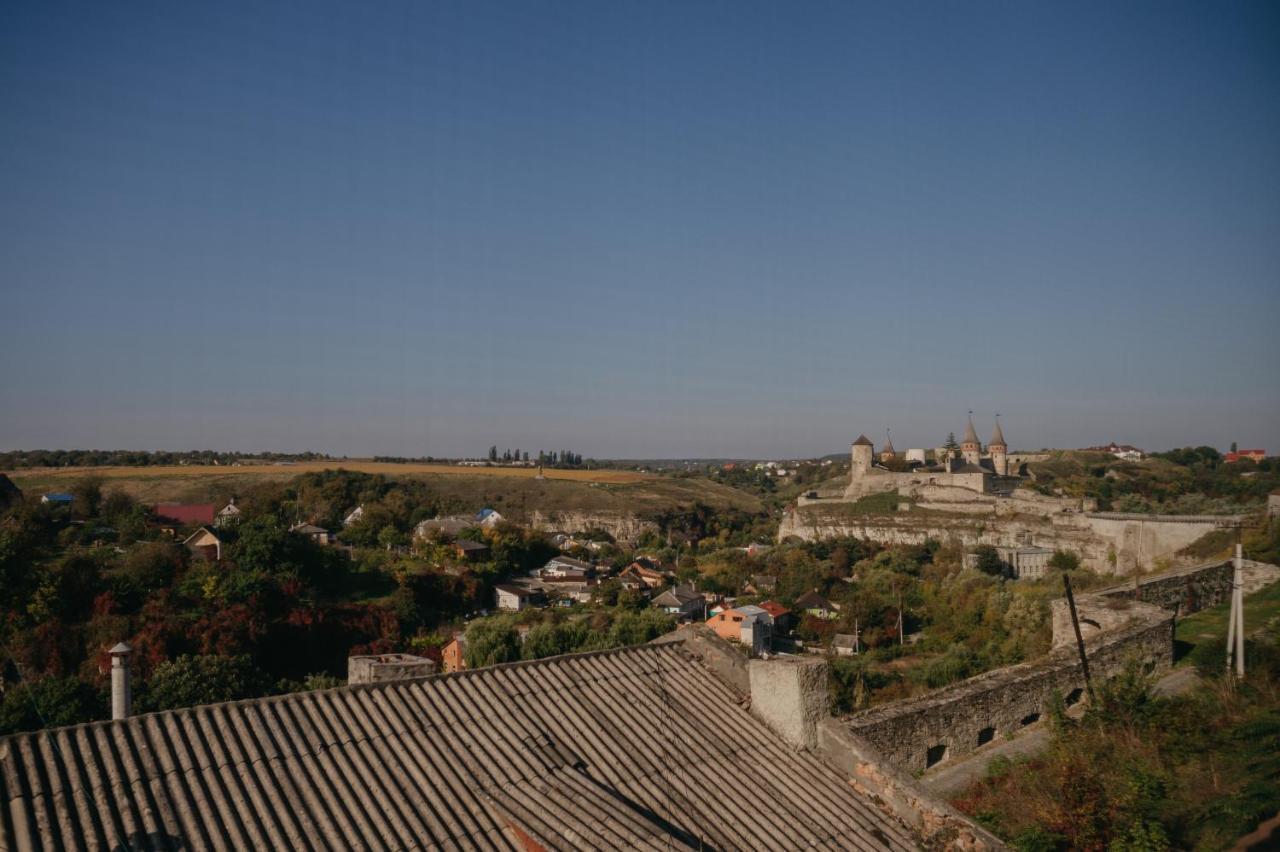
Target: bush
point(194, 679)
point(55, 701)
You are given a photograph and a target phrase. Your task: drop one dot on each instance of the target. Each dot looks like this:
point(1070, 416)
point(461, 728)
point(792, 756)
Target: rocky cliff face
point(1105, 545)
point(623, 526)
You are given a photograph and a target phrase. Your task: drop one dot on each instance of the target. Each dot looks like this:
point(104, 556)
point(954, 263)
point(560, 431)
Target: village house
point(684, 602)
point(748, 625)
point(354, 515)
point(470, 551)
point(488, 518)
point(512, 598)
point(228, 514)
point(646, 572)
point(783, 620)
point(58, 497)
point(566, 566)
point(816, 605)
point(844, 644)
point(319, 535)
point(205, 543)
point(1245, 455)
point(453, 656)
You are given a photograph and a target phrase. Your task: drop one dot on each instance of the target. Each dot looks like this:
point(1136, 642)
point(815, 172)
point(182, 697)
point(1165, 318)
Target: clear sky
point(637, 229)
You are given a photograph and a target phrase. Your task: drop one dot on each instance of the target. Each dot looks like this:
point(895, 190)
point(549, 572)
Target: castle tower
point(971, 447)
point(861, 457)
point(999, 450)
point(887, 453)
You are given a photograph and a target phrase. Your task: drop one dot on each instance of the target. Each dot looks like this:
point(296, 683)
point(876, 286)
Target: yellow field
point(46, 474)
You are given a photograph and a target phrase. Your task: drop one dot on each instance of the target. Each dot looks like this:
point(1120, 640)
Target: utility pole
point(1075, 623)
point(1235, 622)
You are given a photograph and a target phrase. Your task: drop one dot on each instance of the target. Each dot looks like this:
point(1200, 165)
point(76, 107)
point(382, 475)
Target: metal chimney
point(121, 693)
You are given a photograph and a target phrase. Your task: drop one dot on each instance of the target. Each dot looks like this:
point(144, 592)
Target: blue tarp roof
point(59, 497)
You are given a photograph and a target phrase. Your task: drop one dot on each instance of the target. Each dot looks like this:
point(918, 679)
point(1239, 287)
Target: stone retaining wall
point(957, 720)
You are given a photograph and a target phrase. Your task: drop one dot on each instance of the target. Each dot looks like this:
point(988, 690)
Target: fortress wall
point(1115, 628)
point(1002, 702)
point(1141, 541)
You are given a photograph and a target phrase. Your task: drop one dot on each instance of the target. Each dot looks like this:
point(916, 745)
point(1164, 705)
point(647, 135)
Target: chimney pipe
point(121, 693)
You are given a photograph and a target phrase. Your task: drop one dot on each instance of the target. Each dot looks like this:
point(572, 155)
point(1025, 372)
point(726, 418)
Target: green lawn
point(1201, 638)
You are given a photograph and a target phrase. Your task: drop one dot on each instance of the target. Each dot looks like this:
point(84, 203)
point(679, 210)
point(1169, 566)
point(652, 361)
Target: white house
point(354, 515)
point(512, 598)
point(228, 514)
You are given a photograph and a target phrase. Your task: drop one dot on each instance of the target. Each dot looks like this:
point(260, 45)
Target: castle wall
point(973, 712)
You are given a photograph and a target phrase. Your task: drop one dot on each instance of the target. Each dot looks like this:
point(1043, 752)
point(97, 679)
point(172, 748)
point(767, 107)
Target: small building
point(205, 543)
point(59, 498)
point(185, 514)
point(1245, 455)
point(319, 535)
point(470, 551)
point(749, 625)
point(450, 525)
point(566, 566)
point(644, 572)
point(453, 656)
point(228, 514)
point(845, 644)
point(380, 668)
point(488, 518)
point(761, 584)
point(816, 605)
point(1030, 563)
point(783, 620)
point(512, 598)
point(354, 515)
point(684, 602)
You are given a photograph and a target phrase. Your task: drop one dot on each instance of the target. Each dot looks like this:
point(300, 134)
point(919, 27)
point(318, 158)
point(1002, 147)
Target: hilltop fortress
point(970, 468)
point(970, 496)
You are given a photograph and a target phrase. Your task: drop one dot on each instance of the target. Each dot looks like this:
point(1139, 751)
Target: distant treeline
point(141, 458)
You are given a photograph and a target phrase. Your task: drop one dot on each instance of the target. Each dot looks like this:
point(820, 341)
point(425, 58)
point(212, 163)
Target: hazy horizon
point(638, 230)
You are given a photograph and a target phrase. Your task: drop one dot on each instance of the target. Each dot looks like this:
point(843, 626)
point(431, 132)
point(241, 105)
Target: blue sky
point(637, 229)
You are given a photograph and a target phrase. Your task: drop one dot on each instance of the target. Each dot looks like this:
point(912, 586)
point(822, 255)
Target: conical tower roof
point(997, 437)
point(862, 441)
point(970, 434)
point(888, 444)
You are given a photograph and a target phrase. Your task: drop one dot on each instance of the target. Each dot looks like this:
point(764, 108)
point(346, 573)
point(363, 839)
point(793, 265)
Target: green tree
point(202, 679)
point(53, 701)
point(491, 641)
point(987, 560)
point(1064, 560)
point(87, 494)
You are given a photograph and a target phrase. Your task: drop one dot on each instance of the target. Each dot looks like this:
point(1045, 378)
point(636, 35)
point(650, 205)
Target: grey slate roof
point(626, 748)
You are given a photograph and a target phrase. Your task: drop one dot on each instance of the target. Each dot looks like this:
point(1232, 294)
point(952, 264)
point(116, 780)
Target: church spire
point(970, 434)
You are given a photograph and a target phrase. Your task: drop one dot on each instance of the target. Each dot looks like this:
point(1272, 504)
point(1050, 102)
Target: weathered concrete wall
point(380, 668)
point(1141, 541)
point(791, 696)
point(957, 719)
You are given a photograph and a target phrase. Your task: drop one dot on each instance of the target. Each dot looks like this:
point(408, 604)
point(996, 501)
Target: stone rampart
point(958, 719)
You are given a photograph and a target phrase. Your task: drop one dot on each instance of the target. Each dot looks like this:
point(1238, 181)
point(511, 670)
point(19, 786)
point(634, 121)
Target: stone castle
point(971, 469)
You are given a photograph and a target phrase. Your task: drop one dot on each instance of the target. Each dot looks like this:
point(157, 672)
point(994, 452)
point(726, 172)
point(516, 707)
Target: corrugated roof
point(613, 749)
